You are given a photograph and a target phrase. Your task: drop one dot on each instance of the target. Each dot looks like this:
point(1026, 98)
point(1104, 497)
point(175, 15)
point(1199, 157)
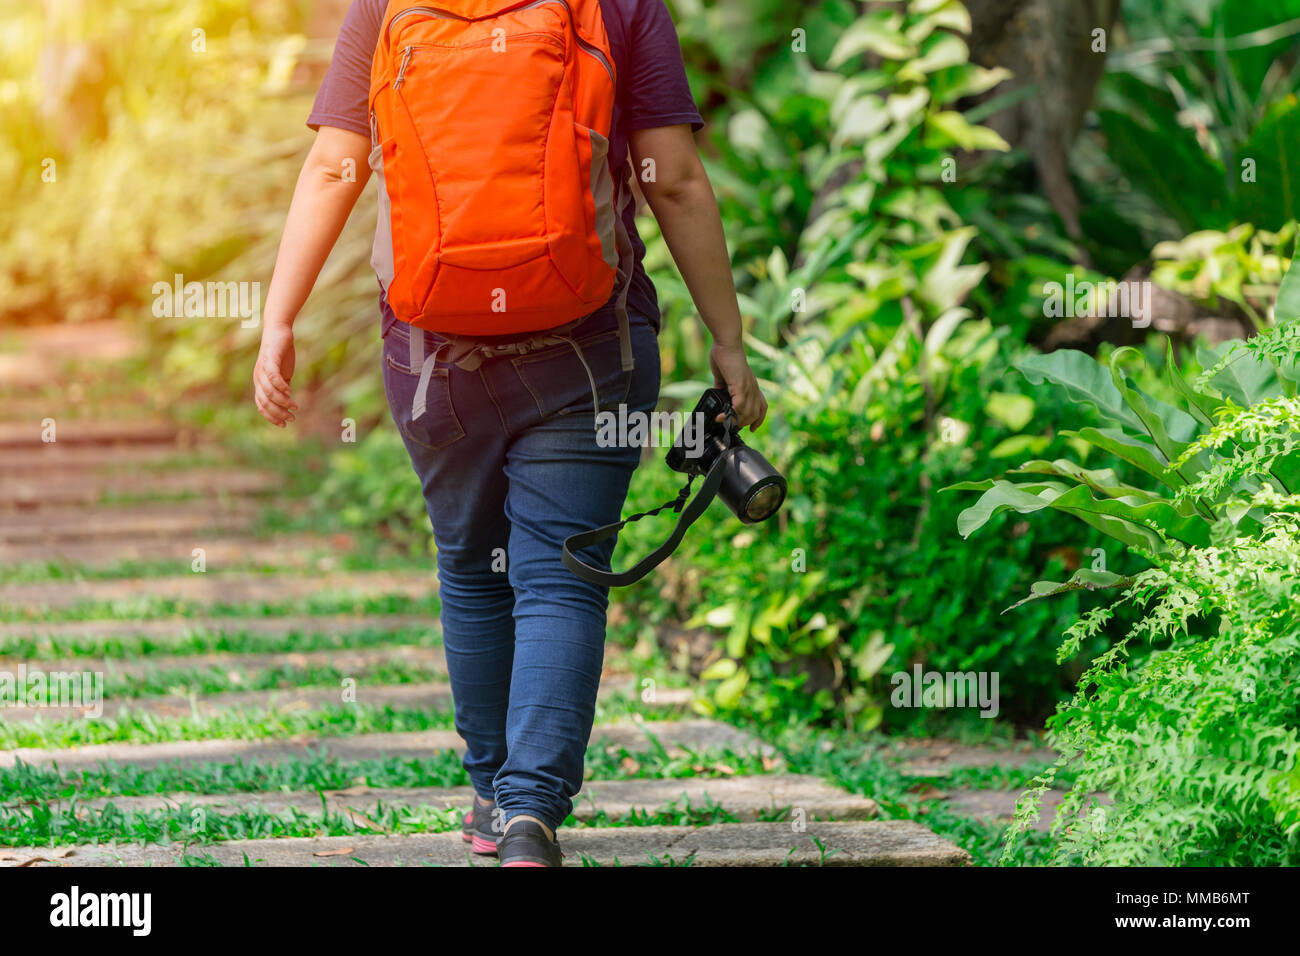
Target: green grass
point(201, 681)
point(205, 640)
point(237, 724)
point(315, 771)
point(307, 562)
point(70, 823)
point(147, 607)
point(42, 805)
point(366, 555)
point(255, 723)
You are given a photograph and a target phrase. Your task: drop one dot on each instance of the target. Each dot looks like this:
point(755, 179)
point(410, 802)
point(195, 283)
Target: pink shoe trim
point(483, 846)
point(524, 863)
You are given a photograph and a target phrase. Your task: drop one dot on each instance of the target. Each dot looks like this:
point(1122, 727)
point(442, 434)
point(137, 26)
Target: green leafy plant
point(1153, 440)
point(1187, 722)
point(1195, 741)
point(1241, 268)
point(881, 382)
point(1199, 113)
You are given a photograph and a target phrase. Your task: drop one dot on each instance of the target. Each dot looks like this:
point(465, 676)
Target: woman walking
point(513, 306)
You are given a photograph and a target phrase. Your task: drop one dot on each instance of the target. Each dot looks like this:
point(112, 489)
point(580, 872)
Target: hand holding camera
point(732, 373)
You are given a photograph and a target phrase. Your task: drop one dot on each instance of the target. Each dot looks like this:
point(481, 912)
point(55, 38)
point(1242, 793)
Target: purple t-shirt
point(652, 92)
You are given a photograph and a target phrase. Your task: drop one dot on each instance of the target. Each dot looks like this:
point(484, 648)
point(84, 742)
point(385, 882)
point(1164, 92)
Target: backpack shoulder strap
point(623, 199)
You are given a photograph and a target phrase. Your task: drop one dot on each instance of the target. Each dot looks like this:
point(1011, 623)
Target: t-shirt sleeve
point(655, 91)
point(343, 99)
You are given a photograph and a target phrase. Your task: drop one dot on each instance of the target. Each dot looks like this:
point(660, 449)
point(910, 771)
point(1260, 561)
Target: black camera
point(751, 487)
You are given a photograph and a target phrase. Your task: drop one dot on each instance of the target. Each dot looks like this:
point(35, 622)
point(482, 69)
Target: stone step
point(33, 357)
point(284, 552)
point(413, 696)
point(240, 666)
point(170, 632)
point(856, 843)
point(939, 758)
point(60, 459)
point(215, 588)
point(48, 491)
point(676, 737)
point(33, 434)
point(192, 519)
point(120, 407)
point(746, 798)
point(998, 807)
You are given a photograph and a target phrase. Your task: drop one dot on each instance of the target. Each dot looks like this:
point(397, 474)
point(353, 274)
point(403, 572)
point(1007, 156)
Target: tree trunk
point(1049, 47)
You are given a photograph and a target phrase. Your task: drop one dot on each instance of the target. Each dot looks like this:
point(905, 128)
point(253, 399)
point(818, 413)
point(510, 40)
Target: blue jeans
point(508, 460)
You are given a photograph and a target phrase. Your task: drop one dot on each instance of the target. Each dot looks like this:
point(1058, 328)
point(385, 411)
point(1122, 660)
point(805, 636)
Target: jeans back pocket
point(559, 383)
point(439, 426)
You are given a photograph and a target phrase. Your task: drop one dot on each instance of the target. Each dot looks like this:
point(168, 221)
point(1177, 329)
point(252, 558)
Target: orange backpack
point(490, 123)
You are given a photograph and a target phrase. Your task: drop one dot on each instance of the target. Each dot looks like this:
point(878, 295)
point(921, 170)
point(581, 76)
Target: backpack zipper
point(588, 48)
point(401, 73)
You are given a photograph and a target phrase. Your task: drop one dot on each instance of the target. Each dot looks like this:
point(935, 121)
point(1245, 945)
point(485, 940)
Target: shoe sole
point(483, 846)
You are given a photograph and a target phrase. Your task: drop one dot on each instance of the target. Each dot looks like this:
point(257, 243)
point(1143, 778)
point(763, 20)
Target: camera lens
point(751, 487)
point(764, 502)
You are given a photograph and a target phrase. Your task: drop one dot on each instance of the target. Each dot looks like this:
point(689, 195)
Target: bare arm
point(331, 181)
point(682, 200)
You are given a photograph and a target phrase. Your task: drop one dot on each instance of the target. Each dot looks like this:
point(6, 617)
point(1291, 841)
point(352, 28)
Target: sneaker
point(526, 844)
point(477, 830)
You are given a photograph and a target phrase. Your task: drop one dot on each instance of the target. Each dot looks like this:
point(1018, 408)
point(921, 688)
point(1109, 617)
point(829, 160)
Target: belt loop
point(417, 347)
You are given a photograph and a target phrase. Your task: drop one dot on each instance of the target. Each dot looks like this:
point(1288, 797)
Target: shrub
point(1188, 721)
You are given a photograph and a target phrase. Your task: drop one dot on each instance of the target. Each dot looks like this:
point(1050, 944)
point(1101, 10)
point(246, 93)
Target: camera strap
point(688, 513)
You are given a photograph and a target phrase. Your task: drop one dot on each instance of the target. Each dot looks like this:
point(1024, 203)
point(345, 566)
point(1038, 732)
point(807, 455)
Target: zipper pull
point(401, 73)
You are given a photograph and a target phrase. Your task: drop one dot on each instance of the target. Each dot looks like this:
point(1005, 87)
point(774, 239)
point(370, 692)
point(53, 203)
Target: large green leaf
point(1287, 307)
point(1137, 452)
point(1001, 495)
point(1246, 377)
point(1085, 579)
point(1084, 380)
point(877, 32)
point(1287, 471)
point(1139, 524)
point(1101, 480)
point(939, 52)
point(1146, 515)
point(966, 80)
point(1202, 406)
point(1169, 428)
point(952, 128)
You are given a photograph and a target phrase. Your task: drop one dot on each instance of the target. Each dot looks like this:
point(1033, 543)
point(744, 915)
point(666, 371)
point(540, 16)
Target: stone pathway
point(749, 798)
point(131, 494)
point(938, 758)
point(871, 843)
